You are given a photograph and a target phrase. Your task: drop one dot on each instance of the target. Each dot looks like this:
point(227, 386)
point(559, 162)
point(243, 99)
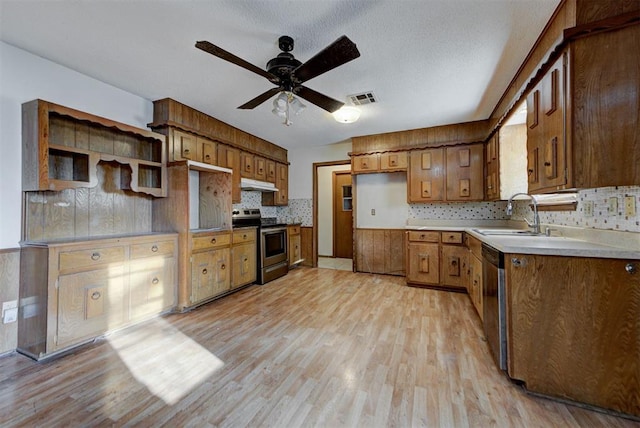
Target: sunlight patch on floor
point(166, 361)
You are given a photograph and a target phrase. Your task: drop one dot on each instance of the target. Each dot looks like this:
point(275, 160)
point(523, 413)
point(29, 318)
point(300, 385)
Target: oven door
point(273, 245)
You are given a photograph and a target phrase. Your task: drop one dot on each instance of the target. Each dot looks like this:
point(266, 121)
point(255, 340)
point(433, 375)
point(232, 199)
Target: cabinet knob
point(547, 164)
point(154, 248)
point(155, 280)
point(223, 267)
point(630, 268)
point(207, 157)
point(186, 151)
point(213, 240)
point(95, 256)
point(421, 236)
point(244, 236)
point(530, 171)
point(95, 295)
point(204, 271)
point(518, 262)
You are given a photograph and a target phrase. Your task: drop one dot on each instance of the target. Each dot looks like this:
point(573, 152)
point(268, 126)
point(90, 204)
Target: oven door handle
point(271, 230)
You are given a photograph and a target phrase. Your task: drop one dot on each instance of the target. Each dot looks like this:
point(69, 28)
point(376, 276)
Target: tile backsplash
point(601, 218)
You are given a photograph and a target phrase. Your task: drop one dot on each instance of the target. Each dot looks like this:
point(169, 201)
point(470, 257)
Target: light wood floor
point(318, 347)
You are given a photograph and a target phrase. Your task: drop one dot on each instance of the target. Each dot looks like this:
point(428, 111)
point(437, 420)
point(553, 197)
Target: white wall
point(325, 208)
point(387, 195)
point(301, 168)
point(24, 77)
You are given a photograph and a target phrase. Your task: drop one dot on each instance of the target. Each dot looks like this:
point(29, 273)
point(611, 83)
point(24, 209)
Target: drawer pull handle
point(186, 151)
point(207, 157)
point(204, 271)
point(244, 236)
point(95, 295)
point(223, 267)
point(95, 256)
point(155, 280)
point(213, 240)
point(154, 248)
point(630, 268)
point(422, 236)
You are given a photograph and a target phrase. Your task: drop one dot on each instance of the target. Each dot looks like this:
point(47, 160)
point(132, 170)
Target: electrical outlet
point(613, 206)
point(373, 211)
point(629, 206)
point(587, 209)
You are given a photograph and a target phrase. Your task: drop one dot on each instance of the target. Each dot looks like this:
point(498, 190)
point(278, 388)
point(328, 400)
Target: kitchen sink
point(506, 232)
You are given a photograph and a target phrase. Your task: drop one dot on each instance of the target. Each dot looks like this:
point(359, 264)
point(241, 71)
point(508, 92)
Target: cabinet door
point(209, 274)
point(492, 182)
point(426, 175)
point(229, 157)
point(394, 161)
point(294, 249)
point(475, 284)
point(260, 169)
point(244, 264)
point(465, 172)
point(185, 146)
point(454, 266)
point(209, 154)
point(247, 163)
point(89, 304)
point(271, 171)
point(281, 197)
point(365, 163)
point(573, 329)
point(423, 263)
point(152, 286)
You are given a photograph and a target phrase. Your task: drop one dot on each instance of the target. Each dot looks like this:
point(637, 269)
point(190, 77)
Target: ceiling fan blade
point(228, 56)
point(314, 97)
point(260, 99)
point(337, 53)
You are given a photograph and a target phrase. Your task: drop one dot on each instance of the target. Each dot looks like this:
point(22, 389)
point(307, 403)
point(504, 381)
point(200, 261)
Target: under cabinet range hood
point(257, 185)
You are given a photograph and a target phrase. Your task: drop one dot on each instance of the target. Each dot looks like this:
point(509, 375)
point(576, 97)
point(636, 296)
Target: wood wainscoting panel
point(380, 251)
point(306, 245)
point(9, 290)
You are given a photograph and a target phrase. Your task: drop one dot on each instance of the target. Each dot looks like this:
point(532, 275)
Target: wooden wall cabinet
point(62, 147)
point(271, 171)
point(281, 197)
point(437, 259)
point(295, 245)
point(446, 174)
point(365, 163)
point(260, 170)
point(380, 251)
point(247, 165)
point(229, 157)
point(379, 162)
point(74, 291)
point(573, 330)
point(244, 255)
point(492, 169)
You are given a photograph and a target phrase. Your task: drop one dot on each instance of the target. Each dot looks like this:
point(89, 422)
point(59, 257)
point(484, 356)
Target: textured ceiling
point(428, 62)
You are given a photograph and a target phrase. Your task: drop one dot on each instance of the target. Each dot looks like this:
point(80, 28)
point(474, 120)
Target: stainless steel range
point(272, 258)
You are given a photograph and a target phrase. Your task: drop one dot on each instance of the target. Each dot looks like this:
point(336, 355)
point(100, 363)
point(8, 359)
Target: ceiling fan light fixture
point(347, 114)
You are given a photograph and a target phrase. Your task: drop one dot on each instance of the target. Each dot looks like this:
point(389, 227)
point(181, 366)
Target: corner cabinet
point(84, 289)
point(63, 147)
point(281, 197)
point(453, 173)
point(573, 329)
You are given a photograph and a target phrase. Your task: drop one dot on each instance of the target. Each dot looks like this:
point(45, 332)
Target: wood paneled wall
point(594, 10)
point(168, 112)
point(380, 251)
point(9, 289)
point(468, 132)
point(85, 212)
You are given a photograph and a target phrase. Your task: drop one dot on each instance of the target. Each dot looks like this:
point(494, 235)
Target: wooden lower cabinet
point(244, 256)
point(380, 251)
point(573, 329)
point(210, 268)
point(295, 247)
point(74, 291)
point(474, 287)
point(437, 258)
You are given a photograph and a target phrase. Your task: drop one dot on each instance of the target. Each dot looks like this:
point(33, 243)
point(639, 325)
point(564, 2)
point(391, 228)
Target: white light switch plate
point(10, 315)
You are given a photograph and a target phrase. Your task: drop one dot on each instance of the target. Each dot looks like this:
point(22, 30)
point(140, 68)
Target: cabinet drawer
point(294, 230)
point(452, 237)
point(475, 246)
point(149, 249)
point(242, 236)
point(211, 241)
point(90, 257)
point(424, 236)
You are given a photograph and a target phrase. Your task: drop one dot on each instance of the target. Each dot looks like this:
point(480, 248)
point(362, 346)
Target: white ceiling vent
point(363, 98)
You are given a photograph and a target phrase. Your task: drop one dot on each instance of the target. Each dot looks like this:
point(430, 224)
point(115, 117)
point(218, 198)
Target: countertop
point(565, 240)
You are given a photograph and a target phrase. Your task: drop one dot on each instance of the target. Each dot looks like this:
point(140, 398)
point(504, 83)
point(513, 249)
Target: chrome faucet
point(536, 218)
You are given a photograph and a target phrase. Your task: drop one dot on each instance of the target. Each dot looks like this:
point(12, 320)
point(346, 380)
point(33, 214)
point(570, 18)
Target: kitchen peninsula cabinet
point(244, 256)
point(573, 329)
point(90, 287)
point(453, 173)
point(454, 261)
point(474, 287)
point(380, 251)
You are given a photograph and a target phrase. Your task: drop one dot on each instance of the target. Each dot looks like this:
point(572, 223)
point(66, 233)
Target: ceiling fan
point(289, 74)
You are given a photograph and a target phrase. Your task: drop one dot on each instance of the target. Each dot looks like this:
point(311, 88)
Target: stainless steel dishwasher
point(494, 303)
